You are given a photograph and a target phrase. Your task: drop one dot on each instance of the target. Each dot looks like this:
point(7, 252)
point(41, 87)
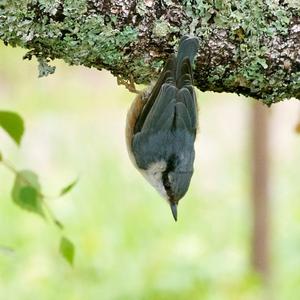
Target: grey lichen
point(44, 68)
point(63, 29)
point(256, 39)
point(161, 28)
point(250, 47)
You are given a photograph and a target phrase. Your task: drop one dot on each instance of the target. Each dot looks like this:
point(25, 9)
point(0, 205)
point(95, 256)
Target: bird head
point(170, 181)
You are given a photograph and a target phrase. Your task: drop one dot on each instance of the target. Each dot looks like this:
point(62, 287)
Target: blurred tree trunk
point(260, 191)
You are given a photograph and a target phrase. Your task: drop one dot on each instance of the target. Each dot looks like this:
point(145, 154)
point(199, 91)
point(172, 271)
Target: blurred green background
point(127, 244)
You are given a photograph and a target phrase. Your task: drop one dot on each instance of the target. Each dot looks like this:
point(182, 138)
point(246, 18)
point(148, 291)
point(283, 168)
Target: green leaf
point(13, 124)
point(68, 188)
point(26, 192)
point(67, 250)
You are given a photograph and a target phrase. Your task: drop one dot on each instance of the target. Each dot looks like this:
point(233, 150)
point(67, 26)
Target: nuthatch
point(161, 126)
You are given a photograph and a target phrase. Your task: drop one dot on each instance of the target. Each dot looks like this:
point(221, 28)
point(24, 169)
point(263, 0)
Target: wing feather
point(164, 99)
point(166, 76)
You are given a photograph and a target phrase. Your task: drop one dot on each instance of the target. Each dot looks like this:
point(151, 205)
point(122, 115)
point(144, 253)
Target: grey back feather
point(168, 122)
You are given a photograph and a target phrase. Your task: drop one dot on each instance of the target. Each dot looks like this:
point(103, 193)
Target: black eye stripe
point(165, 178)
point(167, 184)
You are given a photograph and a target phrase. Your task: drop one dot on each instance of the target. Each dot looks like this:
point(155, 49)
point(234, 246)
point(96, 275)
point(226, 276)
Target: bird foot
point(129, 84)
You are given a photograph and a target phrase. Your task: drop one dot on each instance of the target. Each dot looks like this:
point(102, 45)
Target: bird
point(162, 124)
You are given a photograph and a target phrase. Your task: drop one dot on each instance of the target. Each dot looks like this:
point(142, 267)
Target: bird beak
point(174, 210)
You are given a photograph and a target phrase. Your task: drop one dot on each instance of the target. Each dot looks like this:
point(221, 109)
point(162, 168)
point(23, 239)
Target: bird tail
point(188, 47)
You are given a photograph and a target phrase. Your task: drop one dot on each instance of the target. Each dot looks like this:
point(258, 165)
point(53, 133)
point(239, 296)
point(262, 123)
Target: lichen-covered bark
point(251, 47)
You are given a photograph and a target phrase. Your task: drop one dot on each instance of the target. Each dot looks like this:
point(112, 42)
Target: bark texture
point(250, 47)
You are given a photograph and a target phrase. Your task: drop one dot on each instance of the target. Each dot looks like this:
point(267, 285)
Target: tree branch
point(250, 47)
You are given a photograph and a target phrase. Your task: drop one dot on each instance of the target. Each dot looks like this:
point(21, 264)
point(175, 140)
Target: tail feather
point(185, 76)
point(188, 47)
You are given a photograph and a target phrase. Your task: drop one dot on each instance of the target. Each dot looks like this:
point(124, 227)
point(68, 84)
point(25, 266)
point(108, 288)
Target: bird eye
point(167, 184)
point(166, 181)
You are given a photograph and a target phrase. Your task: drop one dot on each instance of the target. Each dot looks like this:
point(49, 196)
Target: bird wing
point(168, 120)
point(166, 76)
point(172, 103)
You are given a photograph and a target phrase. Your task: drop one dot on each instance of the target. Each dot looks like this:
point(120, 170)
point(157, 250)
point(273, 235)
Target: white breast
point(154, 176)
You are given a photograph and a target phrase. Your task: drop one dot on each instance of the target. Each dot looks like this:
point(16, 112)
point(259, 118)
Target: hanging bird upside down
point(162, 125)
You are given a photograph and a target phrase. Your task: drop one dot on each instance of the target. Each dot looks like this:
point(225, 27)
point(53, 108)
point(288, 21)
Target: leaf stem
point(42, 197)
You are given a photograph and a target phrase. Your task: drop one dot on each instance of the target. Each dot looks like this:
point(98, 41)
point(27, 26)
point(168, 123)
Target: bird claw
point(129, 84)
